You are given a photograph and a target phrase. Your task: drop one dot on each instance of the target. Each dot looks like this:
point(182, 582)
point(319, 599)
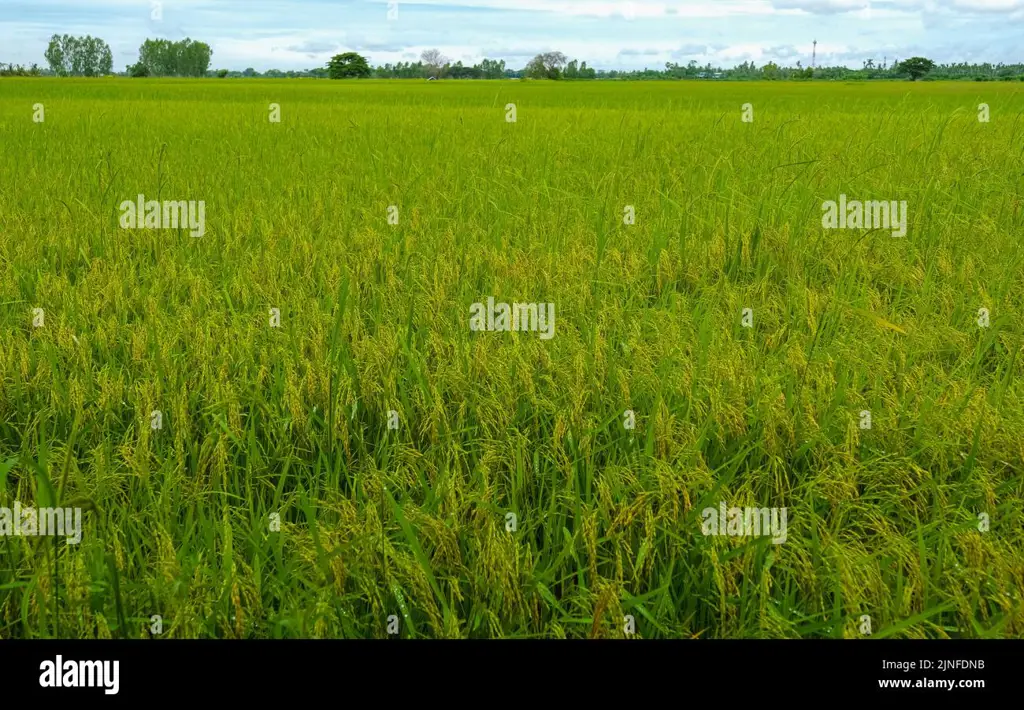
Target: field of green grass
point(917, 522)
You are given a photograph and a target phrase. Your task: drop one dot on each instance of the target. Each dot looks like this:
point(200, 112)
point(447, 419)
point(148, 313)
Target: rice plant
point(287, 427)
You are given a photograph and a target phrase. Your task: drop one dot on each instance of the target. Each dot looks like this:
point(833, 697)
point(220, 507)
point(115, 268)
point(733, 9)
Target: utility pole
point(814, 53)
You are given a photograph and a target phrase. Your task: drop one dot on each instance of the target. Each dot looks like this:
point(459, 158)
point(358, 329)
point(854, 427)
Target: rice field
point(294, 425)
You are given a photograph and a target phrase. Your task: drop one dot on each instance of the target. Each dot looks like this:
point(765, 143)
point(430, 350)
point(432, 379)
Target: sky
point(620, 34)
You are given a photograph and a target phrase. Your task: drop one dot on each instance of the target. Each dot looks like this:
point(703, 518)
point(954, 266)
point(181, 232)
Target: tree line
point(434, 65)
point(19, 70)
point(557, 66)
point(162, 57)
point(68, 55)
point(79, 56)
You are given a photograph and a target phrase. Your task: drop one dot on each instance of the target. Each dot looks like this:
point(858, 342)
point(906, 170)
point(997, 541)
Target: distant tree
point(55, 56)
point(492, 69)
point(106, 59)
point(156, 56)
point(348, 66)
point(546, 66)
point(458, 71)
point(193, 58)
point(162, 57)
point(79, 56)
point(138, 70)
point(250, 73)
point(434, 61)
point(916, 67)
point(19, 70)
point(221, 73)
